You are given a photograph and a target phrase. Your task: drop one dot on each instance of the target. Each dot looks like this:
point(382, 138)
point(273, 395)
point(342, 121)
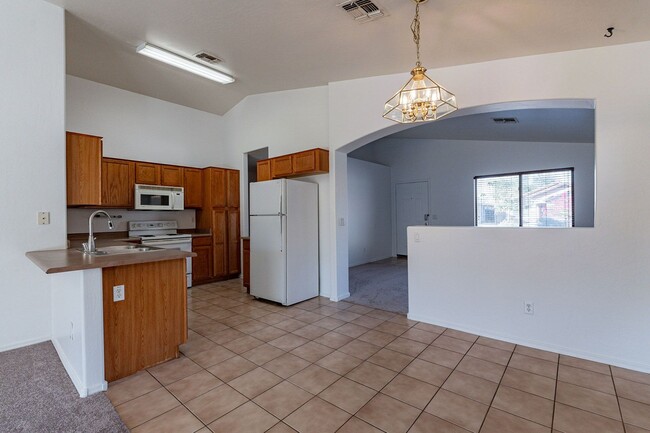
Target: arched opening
point(426, 175)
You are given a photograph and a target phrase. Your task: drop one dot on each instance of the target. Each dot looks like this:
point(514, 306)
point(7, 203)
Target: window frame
point(519, 174)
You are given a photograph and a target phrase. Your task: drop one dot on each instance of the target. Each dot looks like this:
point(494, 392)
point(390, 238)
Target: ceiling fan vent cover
point(362, 10)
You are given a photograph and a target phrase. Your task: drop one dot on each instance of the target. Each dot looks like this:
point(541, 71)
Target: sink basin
point(120, 249)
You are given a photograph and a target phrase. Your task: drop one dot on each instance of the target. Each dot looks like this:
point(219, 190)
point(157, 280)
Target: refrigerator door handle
point(280, 216)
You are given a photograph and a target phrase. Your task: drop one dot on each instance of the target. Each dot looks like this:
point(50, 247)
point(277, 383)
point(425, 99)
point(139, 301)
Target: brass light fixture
point(421, 99)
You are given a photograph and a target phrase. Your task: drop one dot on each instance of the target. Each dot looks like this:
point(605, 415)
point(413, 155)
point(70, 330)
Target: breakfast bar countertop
point(71, 259)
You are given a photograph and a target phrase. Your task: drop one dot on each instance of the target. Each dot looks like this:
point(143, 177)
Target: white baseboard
point(24, 343)
point(596, 357)
point(76, 380)
point(336, 298)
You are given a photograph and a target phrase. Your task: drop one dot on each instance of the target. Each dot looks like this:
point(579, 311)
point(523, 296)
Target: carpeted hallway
point(382, 284)
point(36, 395)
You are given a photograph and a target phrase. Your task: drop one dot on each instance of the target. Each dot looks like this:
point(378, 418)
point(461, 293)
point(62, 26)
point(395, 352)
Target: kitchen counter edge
point(68, 260)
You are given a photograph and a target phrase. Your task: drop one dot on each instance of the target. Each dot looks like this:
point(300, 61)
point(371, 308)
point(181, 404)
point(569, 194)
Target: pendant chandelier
point(421, 99)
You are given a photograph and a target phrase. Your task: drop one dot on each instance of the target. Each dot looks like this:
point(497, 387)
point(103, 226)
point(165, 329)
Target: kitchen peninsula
point(115, 314)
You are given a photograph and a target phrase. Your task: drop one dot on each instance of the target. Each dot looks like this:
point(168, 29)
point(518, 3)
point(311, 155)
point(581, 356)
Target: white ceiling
point(272, 45)
point(569, 125)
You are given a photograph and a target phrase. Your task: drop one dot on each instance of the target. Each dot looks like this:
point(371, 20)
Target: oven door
point(177, 244)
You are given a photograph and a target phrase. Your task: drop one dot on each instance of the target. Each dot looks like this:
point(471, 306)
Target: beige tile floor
point(321, 366)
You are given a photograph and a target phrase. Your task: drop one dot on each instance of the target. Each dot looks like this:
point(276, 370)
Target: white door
point(412, 209)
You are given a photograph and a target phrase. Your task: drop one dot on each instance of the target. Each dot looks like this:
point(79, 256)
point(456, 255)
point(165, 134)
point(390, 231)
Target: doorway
point(411, 209)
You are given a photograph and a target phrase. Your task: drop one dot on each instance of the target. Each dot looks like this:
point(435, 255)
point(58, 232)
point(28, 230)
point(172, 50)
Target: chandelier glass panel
point(421, 99)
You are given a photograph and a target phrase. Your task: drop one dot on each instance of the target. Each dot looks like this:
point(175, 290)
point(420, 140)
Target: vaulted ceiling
point(274, 45)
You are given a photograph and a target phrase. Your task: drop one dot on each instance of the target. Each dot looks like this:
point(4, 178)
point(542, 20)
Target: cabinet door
point(147, 173)
point(83, 169)
point(281, 167)
point(219, 242)
point(118, 180)
point(234, 266)
point(193, 182)
point(202, 263)
point(264, 170)
point(171, 175)
point(304, 162)
point(217, 187)
point(232, 188)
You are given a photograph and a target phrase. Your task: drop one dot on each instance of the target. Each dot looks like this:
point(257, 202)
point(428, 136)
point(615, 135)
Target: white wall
point(369, 210)
point(32, 167)
point(285, 122)
point(143, 128)
point(589, 285)
point(450, 167)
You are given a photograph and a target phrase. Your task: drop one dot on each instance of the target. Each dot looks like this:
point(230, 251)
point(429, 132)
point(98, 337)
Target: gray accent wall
point(450, 167)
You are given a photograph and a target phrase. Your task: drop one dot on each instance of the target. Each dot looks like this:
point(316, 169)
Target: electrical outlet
point(342, 222)
point(43, 218)
point(118, 293)
point(417, 237)
point(529, 307)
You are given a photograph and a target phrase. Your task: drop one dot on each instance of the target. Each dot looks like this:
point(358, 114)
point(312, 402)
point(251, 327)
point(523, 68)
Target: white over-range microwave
point(154, 197)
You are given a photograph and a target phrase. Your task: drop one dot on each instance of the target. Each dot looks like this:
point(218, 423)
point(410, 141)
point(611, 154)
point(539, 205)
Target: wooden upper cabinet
point(171, 175)
point(218, 181)
point(118, 181)
point(83, 169)
point(147, 173)
point(310, 162)
point(264, 170)
point(193, 183)
point(232, 186)
point(281, 167)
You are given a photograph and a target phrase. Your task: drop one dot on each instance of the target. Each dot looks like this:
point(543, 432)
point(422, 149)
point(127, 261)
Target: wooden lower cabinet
point(148, 326)
point(219, 242)
point(246, 245)
point(202, 263)
point(234, 253)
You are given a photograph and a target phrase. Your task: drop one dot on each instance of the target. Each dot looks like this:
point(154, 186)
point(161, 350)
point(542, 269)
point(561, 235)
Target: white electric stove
point(163, 234)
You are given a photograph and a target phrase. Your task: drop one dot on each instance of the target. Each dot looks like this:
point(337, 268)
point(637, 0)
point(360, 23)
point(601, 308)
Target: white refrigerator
point(284, 240)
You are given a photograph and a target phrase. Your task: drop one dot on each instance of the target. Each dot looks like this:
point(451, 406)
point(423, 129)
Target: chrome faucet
point(89, 247)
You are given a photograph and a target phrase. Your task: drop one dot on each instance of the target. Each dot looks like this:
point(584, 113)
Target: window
point(528, 199)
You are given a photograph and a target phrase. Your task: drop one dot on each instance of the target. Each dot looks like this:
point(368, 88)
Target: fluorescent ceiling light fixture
point(183, 63)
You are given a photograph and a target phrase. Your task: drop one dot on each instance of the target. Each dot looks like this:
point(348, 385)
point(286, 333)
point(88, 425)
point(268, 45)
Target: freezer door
point(269, 258)
point(266, 197)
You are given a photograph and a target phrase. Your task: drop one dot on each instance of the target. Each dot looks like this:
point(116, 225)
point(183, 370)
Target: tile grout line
point(618, 401)
point(557, 379)
point(498, 385)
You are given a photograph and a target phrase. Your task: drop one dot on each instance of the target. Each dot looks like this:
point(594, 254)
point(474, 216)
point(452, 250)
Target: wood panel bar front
point(147, 327)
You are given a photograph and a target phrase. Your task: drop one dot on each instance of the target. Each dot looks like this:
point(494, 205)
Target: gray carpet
point(36, 395)
point(382, 284)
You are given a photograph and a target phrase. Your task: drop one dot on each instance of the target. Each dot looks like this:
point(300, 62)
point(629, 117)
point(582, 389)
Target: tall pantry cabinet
point(220, 214)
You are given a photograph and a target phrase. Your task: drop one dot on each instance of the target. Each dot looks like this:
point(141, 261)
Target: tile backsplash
point(78, 219)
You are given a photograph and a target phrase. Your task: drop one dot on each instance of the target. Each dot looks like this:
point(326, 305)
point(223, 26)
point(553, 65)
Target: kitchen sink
point(120, 249)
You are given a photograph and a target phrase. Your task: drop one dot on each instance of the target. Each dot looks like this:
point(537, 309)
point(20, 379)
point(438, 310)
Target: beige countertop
point(55, 261)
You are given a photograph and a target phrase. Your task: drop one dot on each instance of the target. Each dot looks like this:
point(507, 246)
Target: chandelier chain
point(415, 28)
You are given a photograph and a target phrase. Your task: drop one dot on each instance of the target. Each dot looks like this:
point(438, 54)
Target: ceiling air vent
point(207, 57)
point(505, 120)
point(362, 10)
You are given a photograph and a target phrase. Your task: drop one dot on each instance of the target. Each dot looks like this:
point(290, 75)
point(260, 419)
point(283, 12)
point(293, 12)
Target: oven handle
point(166, 242)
